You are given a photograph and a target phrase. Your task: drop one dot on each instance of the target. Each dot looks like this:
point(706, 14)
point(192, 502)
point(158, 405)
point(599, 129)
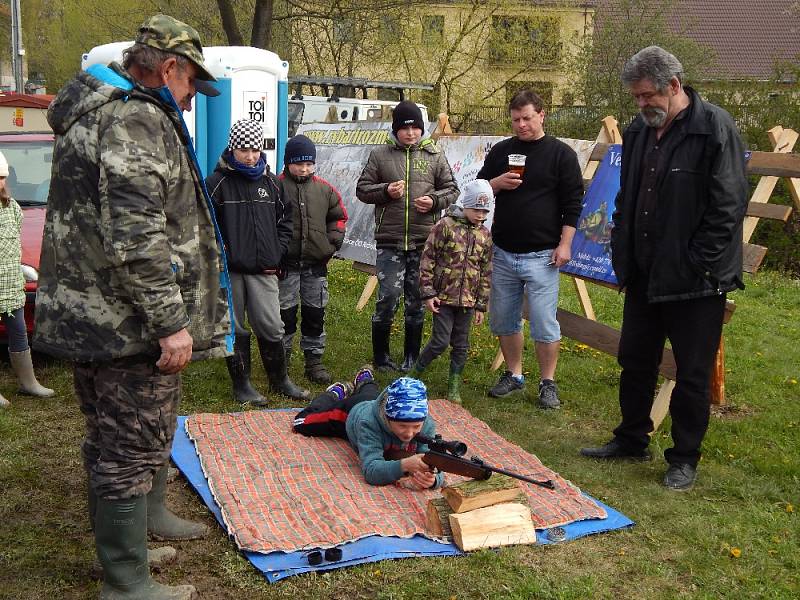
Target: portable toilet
point(253, 84)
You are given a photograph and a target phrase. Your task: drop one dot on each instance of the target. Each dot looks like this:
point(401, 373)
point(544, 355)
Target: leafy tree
point(622, 28)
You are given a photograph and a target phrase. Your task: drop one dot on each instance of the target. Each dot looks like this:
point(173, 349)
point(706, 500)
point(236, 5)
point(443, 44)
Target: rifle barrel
point(547, 483)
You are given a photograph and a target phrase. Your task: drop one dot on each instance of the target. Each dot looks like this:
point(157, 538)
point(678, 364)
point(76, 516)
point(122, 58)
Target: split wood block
point(437, 522)
point(472, 494)
point(499, 525)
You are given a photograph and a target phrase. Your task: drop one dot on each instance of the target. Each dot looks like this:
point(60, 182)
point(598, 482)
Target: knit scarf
point(254, 172)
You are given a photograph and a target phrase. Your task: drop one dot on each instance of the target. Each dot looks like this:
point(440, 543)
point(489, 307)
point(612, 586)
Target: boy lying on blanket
point(376, 424)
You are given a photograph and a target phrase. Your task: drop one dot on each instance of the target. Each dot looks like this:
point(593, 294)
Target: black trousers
point(326, 415)
point(694, 328)
point(450, 328)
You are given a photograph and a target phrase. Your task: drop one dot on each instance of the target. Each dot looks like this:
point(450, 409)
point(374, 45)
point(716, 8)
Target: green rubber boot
point(121, 540)
point(416, 371)
point(157, 558)
point(162, 524)
point(453, 386)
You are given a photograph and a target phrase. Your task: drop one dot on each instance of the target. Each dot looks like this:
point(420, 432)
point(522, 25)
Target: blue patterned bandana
point(407, 400)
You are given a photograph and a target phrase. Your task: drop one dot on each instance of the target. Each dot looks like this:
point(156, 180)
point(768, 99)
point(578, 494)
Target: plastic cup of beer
point(516, 163)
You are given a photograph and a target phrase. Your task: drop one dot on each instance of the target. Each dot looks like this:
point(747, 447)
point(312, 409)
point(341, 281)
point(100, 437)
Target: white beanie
point(3, 166)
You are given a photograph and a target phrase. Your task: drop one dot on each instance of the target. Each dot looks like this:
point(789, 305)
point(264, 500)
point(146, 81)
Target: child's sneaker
point(342, 389)
point(364, 375)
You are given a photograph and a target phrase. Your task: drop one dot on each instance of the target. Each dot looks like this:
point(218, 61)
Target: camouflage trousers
point(130, 409)
point(307, 287)
point(398, 273)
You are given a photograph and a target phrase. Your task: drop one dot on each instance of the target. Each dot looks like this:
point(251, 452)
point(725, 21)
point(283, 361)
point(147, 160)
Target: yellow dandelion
point(789, 508)
point(793, 381)
point(735, 553)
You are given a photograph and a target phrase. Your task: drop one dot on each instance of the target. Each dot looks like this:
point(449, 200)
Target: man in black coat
point(676, 250)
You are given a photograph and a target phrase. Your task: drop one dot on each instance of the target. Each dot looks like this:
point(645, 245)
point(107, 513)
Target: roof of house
point(748, 37)
point(25, 100)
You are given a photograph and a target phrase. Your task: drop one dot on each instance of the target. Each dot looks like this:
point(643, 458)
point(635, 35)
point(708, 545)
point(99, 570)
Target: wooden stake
point(472, 494)
point(498, 525)
point(436, 518)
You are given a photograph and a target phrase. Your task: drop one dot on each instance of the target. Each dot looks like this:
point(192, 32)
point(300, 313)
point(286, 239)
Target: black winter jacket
point(254, 217)
point(702, 198)
point(319, 219)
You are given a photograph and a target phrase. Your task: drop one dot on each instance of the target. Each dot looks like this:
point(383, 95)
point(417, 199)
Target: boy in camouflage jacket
point(454, 280)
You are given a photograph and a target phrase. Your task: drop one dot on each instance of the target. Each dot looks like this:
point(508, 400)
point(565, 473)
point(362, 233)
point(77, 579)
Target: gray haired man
point(676, 250)
point(129, 288)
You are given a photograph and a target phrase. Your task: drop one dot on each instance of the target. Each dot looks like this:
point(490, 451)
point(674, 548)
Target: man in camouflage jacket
point(130, 287)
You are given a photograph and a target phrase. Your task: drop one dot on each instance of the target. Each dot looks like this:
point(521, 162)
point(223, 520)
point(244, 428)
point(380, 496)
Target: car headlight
point(30, 273)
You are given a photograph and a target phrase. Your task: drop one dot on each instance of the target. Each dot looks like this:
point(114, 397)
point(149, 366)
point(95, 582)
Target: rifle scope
point(437, 444)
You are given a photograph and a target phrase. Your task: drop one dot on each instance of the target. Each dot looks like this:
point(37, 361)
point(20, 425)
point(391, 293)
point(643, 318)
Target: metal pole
point(17, 51)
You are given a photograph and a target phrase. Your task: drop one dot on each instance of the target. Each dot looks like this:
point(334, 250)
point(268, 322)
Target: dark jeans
point(450, 327)
point(694, 328)
point(398, 273)
point(326, 415)
point(15, 330)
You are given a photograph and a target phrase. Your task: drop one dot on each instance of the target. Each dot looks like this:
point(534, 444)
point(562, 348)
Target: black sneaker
point(680, 477)
point(613, 450)
point(548, 394)
point(506, 386)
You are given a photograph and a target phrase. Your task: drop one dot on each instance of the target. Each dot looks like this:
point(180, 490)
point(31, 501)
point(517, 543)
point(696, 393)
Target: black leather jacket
point(702, 198)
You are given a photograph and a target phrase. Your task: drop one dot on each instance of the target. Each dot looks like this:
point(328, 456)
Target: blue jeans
point(514, 275)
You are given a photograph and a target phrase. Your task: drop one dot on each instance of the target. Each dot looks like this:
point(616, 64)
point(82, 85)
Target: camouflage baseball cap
point(170, 35)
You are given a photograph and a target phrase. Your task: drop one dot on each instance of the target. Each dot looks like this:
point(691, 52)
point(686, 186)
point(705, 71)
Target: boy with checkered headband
point(377, 424)
point(256, 224)
point(319, 219)
point(455, 272)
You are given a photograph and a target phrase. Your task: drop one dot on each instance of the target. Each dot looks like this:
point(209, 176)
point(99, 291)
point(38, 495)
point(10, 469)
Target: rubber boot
point(274, 359)
point(162, 524)
point(239, 370)
point(416, 371)
point(411, 344)
point(121, 540)
point(380, 347)
point(23, 367)
point(315, 370)
point(454, 385)
point(157, 558)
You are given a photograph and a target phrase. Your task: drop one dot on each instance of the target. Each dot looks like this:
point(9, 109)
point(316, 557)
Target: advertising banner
point(591, 246)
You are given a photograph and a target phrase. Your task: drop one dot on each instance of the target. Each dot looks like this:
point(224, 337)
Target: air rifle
point(448, 456)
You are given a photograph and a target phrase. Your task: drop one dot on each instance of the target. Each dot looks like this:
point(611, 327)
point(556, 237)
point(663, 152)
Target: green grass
point(746, 501)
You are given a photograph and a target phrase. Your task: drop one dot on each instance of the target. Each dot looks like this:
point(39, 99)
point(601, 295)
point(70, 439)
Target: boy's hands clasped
point(420, 476)
point(396, 189)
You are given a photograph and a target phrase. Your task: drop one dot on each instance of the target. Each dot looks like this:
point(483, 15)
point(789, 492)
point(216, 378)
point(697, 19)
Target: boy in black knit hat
point(410, 183)
point(319, 218)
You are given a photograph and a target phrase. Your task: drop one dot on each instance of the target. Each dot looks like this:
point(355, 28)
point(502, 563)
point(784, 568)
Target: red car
point(30, 157)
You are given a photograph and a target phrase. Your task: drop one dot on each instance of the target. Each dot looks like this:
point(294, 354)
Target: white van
point(321, 109)
point(332, 109)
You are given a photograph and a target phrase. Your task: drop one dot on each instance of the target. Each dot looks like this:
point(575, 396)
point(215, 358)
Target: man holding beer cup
point(538, 189)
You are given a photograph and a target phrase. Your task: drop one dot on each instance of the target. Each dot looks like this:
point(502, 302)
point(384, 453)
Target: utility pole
point(17, 51)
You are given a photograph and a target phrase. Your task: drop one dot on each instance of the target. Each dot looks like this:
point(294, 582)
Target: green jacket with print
point(425, 171)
